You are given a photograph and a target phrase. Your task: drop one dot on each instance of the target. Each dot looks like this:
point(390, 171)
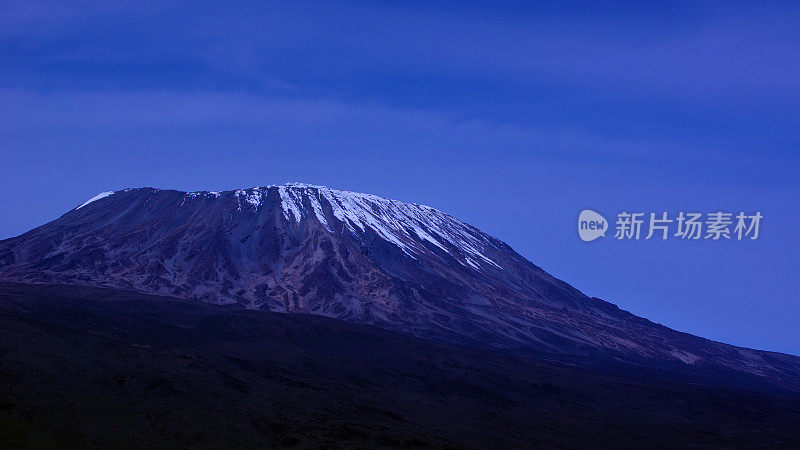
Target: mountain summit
point(310, 249)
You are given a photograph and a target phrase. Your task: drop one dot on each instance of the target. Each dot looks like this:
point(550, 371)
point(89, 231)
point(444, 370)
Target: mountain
point(362, 258)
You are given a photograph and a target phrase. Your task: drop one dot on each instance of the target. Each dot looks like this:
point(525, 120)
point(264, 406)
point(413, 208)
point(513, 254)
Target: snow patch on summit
point(96, 198)
point(289, 203)
point(403, 224)
point(255, 197)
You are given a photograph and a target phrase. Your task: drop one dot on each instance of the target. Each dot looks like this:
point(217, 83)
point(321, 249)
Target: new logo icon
point(591, 225)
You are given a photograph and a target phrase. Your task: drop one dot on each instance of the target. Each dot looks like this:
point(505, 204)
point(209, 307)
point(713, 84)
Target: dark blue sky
point(512, 116)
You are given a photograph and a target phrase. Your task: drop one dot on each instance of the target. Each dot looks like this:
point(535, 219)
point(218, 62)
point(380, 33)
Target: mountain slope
point(358, 257)
point(101, 368)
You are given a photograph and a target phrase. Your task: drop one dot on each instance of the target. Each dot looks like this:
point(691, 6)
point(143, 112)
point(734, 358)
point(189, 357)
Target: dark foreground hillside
point(93, 367)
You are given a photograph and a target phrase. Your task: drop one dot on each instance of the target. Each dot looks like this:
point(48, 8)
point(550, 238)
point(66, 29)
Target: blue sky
point(512, 116)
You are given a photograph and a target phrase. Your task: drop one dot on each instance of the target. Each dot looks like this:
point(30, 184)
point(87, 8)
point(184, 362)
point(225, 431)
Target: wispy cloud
point(724, 54)
point(338, 130)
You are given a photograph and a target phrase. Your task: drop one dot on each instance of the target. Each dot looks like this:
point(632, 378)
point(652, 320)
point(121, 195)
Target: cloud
point(722, 55)
point(691, 92)
point(333, 130)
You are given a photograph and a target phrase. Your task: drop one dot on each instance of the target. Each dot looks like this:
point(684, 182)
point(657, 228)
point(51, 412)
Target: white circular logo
point(591, 225)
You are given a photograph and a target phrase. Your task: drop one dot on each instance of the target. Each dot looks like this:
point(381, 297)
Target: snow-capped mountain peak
point(413, 228)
